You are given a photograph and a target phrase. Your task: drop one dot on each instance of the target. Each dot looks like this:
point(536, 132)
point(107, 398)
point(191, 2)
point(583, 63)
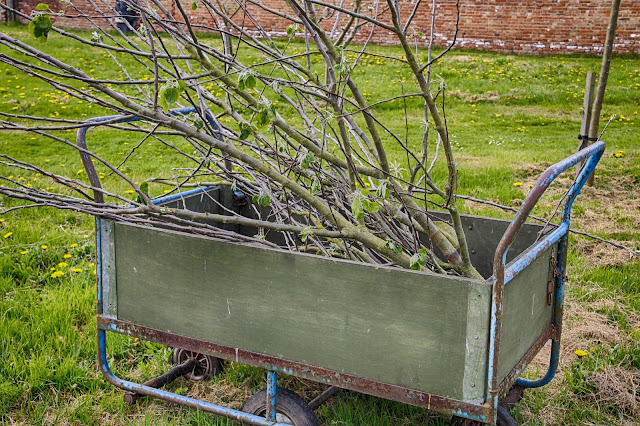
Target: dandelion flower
point(8, 234)
point(57, 274)
point(44, 247)
point(73, 245)
point(62, 265)
point(517, 184)
point(24, 252)
point(76, 270)
point(580, 353)
point(67, 256)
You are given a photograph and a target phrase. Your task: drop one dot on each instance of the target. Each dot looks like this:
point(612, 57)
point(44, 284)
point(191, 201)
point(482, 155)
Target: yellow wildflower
point(76, 270)
point(8, 234)
point(44, 247)
point(62, 265)
point(24, 252)
point(580, 353)
point(73, 245)
point(517, 184)
point(57, 274)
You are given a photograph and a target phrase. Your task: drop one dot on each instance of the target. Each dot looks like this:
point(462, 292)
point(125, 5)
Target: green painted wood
point(395, 326)
point(526, 314)
point(108, 269)
point(474, 380)
point(484, 234)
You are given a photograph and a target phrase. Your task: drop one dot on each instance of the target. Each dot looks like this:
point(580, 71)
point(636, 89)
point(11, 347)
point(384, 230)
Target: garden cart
point(446, 343)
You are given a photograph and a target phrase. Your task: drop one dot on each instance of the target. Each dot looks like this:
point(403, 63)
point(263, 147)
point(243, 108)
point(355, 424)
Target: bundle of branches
point(294, 131)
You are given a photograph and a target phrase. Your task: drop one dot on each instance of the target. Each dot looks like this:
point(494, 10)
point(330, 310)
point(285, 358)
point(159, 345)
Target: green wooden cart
point(446, 343)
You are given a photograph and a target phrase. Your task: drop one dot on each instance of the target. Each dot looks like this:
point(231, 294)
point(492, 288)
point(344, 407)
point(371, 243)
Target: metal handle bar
point(593, 153)
point(81, 142)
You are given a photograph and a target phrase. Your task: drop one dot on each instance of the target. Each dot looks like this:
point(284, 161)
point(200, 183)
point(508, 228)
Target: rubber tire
point(288, 403)
point(208, 366)
point(504, 417)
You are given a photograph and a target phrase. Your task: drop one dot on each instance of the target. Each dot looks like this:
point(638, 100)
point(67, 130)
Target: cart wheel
point(504, 419)
point(206, 365)
point(290, 408)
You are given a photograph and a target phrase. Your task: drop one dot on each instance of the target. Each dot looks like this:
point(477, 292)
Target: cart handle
point(593, 153)
point(85, 154)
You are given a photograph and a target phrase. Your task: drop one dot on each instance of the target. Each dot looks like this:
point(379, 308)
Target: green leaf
point(39, 27)
point(357, 209)
point(315, 186)
point(414, 262)
point(307, 160)
point(393, 246)
point(382, 191)
point(291, 30)
point(370, 206)
point(145, 190)
point(250, 82)
point(194, 5)
point(262, 199)
point(245, 130)
point(42, 6)
point(305, 233)
point(265, 112)
point(169, 93)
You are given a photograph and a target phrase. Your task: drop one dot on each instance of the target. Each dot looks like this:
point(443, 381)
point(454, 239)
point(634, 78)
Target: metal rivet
point(470, 227)
point(473, 385)
point(473, 251)
point(475, 337)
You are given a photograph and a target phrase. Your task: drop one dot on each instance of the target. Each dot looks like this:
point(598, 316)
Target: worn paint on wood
point(395, 326)
point(108, 269)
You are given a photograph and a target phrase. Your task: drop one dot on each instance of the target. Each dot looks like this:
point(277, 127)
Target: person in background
point(127, 15)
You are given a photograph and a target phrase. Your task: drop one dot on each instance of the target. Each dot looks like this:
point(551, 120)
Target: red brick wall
point(535, 26)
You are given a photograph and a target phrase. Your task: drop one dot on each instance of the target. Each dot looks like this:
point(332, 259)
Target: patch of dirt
point(600, 254)
point(467, 96)
point(584, 328)
point(618, 386)
point(461, 58)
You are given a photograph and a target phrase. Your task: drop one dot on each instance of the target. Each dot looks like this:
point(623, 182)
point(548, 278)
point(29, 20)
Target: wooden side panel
point(484, 234)
point(394, 326)
point(526, 312)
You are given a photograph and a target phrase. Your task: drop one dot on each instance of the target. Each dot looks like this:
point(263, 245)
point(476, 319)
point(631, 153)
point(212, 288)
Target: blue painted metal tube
point(530, 255)
point(500, 277)
point(172, 397)
point(272, 395)
point(81, 142)
point(180, 195)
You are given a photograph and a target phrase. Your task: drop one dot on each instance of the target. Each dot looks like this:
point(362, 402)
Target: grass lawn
point(509, 116)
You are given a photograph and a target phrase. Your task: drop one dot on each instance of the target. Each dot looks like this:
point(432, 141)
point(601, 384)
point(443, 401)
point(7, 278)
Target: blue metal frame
point(501, 276)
